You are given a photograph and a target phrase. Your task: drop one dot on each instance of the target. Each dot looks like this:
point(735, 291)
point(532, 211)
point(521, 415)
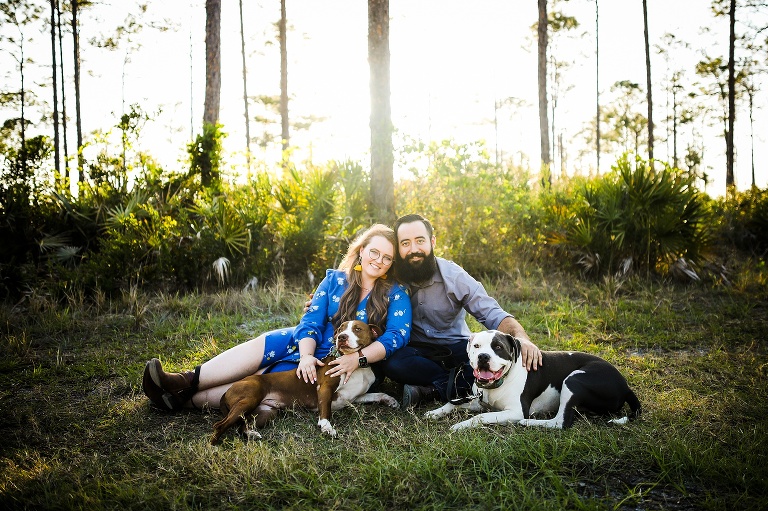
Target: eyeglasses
point(375, 254)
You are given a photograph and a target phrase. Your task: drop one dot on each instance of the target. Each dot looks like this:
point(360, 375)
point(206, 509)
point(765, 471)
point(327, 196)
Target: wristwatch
point(363, 360)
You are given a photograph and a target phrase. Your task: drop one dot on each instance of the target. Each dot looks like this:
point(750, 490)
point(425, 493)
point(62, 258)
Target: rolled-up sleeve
point(399, 317)
point(474, 298)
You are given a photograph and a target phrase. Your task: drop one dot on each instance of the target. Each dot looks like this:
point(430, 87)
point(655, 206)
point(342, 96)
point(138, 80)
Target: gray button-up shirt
point(440, 305)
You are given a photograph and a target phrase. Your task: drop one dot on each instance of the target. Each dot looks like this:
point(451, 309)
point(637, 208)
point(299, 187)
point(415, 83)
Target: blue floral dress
point(281, 350)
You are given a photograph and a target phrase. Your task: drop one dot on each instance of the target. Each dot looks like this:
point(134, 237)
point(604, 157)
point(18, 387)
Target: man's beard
point(421, 272)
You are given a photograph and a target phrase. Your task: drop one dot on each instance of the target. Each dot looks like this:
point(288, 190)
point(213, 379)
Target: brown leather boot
point(169, 390)
point(152, 391)
point(413, 395)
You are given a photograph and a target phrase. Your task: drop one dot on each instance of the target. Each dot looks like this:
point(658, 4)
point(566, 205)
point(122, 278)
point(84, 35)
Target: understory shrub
point(743, 221)
point(639, 217)
point(486, 217)
point(166, 231)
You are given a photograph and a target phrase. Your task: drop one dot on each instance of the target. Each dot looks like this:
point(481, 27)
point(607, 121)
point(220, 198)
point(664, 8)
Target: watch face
point(363, 361)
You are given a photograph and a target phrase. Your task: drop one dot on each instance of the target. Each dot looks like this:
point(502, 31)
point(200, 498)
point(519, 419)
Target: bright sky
point(450, 61)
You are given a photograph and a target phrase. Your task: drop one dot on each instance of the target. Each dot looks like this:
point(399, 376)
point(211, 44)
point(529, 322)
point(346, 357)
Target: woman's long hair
point(378, 300)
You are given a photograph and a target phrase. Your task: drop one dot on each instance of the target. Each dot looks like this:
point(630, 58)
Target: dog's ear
point(514, 345)
point(375, 331)
point(507, 346)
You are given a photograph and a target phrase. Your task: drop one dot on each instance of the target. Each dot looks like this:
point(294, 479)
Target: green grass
point(77, 432)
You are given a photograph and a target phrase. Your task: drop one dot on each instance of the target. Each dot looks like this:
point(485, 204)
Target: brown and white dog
point(263, 395)
point(565, 381)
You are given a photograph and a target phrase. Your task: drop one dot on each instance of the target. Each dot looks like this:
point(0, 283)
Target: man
point(441, 294)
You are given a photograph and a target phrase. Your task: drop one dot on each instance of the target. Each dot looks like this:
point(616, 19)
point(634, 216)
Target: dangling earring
point(358, 266)
point(384, 277)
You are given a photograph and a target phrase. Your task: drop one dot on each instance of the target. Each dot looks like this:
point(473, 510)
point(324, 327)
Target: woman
point(362, 288)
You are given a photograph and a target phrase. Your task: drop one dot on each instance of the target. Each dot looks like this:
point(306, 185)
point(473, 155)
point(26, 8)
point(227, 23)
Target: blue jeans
point(408, 365)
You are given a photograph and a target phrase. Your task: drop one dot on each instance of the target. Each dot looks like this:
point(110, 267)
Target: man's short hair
point(407, 219)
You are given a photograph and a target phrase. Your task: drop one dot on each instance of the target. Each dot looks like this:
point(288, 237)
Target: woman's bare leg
point(232, 365)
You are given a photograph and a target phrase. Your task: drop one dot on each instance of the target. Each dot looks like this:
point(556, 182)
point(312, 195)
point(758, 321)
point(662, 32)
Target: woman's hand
point(344, 366)
point(307, 369)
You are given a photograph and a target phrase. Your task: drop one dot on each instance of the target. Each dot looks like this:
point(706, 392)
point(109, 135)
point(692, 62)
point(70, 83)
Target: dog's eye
point(476, 345)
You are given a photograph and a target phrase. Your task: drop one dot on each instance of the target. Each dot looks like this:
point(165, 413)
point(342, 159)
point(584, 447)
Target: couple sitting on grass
point(382, 268)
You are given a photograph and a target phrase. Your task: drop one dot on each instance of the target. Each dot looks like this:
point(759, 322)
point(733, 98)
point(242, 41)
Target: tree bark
point(382, 158)
point(63, 93)
point(543, 107)
point(54, 72)
point(78, 116)
point(245, 93)
point(648, 81)
point(729, 153)
point(285, 133)
point(212, 61)
point(597, 83)
point(208, 175)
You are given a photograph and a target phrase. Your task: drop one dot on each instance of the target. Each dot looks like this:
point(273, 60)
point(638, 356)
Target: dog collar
point(494, 385)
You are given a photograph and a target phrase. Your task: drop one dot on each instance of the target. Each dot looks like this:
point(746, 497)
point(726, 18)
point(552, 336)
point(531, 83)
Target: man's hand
point(308, 303)
point(531, 354)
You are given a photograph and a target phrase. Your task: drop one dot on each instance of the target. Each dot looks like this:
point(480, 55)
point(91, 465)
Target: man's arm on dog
point(531, 354)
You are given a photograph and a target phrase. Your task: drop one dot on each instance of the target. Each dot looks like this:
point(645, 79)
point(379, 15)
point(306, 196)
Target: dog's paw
point(390, 402)
point(469, 423)
point(326, 428)
point(252, 434)
point(437, 413)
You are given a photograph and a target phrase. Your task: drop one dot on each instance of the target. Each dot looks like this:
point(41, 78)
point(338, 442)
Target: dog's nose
point(483, 358)
point(343, 337)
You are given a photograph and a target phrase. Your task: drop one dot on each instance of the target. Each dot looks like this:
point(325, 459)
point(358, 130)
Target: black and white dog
point(566, 380)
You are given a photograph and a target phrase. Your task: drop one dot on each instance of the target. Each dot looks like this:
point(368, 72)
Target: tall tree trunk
point(23, 99)
point(245, 93)
point(78, 116)
point(191, 85)
point(729, 154)
point(212, 80)
point(751, 96)
point(597, 82)
point(648, 81)
point(674, 123)
point(212, 61)
point(543, 108)
point(54, 72)
point(63, 93)
point(285, 135)
point(382, 158)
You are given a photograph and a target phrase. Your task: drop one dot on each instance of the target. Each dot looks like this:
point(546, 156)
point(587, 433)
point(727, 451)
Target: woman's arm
point(315, 319)
point(307, 360)
point(398, 328)
point(396, 335)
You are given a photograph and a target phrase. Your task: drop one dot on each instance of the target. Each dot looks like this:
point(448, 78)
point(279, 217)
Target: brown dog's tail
point(223, 406)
